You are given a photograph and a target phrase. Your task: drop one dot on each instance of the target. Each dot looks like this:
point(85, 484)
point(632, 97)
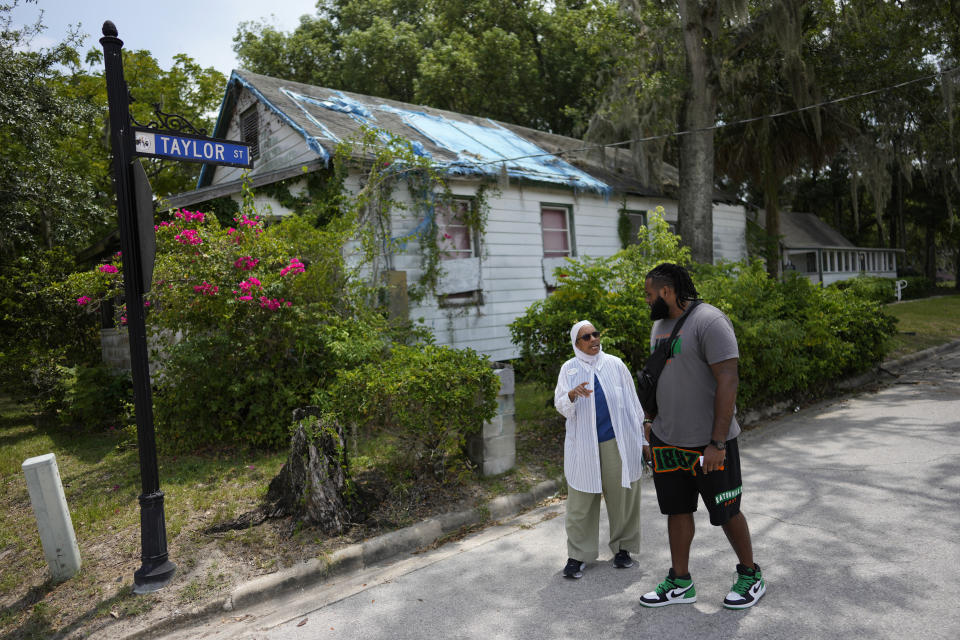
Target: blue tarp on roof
point(480, 149)
point(486, 150)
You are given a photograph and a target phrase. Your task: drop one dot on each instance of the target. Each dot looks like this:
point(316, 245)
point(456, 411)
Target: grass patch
point(924, 323)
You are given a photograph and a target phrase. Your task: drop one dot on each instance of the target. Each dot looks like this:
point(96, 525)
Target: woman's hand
point(579, 391)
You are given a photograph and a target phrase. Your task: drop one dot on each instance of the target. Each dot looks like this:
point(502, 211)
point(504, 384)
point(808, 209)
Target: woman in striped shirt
point(603, 451)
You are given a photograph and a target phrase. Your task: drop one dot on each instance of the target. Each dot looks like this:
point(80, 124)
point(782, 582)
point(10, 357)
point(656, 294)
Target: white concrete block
point(53, 516)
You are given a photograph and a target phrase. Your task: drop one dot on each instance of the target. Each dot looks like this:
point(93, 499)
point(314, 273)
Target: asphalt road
point(854, 507)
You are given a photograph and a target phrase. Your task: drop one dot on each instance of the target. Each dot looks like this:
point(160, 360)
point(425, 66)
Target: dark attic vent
point(250, 130)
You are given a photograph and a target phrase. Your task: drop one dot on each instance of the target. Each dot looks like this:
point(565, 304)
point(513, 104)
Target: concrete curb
point(355, 557)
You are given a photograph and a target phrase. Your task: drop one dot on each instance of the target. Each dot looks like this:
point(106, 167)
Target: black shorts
point(679, 479)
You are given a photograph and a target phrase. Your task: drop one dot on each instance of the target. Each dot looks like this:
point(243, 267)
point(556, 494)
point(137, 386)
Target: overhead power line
point(722, 125)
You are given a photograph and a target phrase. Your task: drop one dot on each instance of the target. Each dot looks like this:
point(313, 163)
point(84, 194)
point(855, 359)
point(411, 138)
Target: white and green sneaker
point(747, 590)
point(672, 590)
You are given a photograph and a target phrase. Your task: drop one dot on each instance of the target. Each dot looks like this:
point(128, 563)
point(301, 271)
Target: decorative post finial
point(109, 29)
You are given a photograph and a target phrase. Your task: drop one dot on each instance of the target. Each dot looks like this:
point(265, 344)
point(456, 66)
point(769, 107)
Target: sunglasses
point(587, 336)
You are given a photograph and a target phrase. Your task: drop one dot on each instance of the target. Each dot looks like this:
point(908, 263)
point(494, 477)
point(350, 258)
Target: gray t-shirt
point(686, 389)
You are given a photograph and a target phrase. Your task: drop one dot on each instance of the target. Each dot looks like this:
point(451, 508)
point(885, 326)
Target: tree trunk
point(311, 484)
point(695, 209)
point(771, 204)
point(956, 269)
point(930, 254)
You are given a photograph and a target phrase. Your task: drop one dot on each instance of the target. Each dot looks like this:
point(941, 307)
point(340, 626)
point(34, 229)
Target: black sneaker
point(574, 569)
point(622, 560)
point(673, 590)
point(747, 590)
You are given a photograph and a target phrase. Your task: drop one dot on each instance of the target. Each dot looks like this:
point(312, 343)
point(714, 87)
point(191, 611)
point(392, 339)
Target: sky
point(203, 29)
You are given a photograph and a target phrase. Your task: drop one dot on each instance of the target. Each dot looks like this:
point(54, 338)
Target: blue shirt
point(604, 425)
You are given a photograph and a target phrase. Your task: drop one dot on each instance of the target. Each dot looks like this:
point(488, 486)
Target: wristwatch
point(719, 444)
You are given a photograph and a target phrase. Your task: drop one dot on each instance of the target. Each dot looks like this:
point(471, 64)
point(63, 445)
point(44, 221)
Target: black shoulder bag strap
point(676, 327)
point(648, 377)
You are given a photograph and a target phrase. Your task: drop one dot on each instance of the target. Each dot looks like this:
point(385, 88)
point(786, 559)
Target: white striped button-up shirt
point(581, 454)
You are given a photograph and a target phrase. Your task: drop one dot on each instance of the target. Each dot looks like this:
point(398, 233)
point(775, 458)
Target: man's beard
point(659, 309)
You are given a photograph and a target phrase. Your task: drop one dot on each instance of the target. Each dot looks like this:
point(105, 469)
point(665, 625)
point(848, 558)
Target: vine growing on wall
point(623, 225)
point(383, 161)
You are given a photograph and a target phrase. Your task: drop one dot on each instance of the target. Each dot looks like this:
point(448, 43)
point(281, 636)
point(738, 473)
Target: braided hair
point(675, 277)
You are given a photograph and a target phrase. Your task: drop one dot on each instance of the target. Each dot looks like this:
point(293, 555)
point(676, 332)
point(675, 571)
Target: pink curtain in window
point(556, 242)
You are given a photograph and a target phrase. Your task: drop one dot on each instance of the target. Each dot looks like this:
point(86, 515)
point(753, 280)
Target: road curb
point(355, 557)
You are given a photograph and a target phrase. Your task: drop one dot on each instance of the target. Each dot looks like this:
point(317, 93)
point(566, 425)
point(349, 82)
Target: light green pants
point(623, 511)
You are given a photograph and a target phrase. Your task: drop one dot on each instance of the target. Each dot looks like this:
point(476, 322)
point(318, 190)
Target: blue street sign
point(152, 143)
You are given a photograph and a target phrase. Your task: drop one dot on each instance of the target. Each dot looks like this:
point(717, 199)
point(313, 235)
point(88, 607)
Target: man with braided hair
point(693, 438)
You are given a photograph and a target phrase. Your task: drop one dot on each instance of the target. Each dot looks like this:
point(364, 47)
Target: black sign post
point(156, 569)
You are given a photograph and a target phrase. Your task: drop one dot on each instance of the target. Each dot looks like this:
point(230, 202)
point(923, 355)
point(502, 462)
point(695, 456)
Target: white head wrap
point(582, 355)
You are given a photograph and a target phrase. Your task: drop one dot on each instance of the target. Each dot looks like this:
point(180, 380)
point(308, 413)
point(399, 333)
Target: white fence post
point(53, 516)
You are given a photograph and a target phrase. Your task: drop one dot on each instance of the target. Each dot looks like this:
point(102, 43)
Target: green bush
point(97, 397)
point(42, 330)
point(882, 290)
point(793, 336)
point(426, 399)
point(917, 287)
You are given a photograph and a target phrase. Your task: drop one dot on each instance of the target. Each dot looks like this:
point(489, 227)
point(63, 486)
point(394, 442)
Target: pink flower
point(82, 300)
point(123, 319)
point(295, 266)
point(247, 222)
point(118, 254)
point(156, 227)
point(270, 303)
point(246, 288)
point(206, 289)
point(108, 268)
point(187, 216)
point(188, 236)
point(246, 263)
point(447, 236)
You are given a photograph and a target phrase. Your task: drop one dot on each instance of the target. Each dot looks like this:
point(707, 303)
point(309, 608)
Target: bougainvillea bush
point(245, 323)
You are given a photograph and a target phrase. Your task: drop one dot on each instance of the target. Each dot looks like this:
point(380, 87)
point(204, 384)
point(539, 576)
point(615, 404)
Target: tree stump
point(311, 484)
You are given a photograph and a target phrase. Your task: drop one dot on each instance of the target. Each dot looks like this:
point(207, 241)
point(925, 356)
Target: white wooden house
point(549, 206)
point(813, 248)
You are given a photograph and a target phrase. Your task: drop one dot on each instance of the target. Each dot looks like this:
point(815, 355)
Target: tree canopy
point(56, 184)
point(528, 62)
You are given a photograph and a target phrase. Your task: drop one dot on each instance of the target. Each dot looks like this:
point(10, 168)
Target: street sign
point(153, 143)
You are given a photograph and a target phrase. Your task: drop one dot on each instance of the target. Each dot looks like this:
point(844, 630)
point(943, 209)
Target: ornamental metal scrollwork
point(169, 122)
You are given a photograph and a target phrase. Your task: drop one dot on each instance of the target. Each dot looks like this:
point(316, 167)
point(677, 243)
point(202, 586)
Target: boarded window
point(637, 219)
point(555, 226)
point(250, 130)
point(454, 238)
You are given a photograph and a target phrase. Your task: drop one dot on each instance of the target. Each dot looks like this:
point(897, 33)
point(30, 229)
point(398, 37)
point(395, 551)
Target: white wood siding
point(281, 146)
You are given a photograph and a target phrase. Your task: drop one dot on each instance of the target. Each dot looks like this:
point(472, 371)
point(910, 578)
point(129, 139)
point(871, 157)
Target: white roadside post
point(901, 285)
point(53, 516)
